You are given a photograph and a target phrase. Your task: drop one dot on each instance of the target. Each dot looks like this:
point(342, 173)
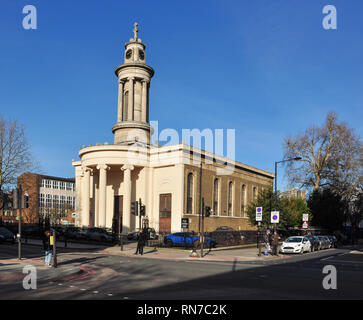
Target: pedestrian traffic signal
point(207, 211)
point(142, 210)
point(25, 202)
point(134, 208)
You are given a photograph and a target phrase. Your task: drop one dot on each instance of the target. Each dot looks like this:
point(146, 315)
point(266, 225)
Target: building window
point(69, 186)
point(230, 190)
point(55, 201)
point(55, 184)
point(41, 200)
point(62, 185)
point(48, 184)
point(42, 183)
point(254, 193)
point(73, 202)
point(48, 201)
point(62, 201)
point(243, 200)
point(190, 193)
point(125, 106)
point(215, 197)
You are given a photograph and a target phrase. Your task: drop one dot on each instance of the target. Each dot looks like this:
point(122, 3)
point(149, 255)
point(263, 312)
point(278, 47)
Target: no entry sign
point(275, 216)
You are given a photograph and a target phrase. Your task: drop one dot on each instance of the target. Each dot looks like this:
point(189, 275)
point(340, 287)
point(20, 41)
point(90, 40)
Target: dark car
point(333, 241)
point(324, 242)
point(30, 231)
point(151, 234)
point(315, 243)
point(6, 235)
point(224, 228)
point(98, 234)
point(187, 239)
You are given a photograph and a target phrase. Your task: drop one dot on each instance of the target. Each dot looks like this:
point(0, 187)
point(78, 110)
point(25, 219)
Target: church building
point(167, 180)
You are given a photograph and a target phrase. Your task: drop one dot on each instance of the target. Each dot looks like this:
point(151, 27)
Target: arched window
point(243, 200)
point(125, 106)
point(215, 197)
point(230, 189)
point(190, 193)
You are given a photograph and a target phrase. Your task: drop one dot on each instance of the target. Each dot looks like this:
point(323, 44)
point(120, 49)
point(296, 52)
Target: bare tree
point(15, 154)
point(331, 156)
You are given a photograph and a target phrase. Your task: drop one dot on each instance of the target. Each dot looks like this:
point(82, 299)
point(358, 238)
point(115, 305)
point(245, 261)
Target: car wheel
point(302, 251)
point(169, 243)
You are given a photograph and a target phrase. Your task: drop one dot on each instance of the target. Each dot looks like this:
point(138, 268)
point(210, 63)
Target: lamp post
point(292, 159)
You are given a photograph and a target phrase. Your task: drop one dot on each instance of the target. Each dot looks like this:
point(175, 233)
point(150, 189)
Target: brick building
point(48, 197)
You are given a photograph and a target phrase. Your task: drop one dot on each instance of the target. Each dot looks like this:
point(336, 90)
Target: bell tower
point(133, 95)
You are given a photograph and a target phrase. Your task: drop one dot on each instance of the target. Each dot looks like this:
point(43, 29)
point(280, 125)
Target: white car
point(296, 244)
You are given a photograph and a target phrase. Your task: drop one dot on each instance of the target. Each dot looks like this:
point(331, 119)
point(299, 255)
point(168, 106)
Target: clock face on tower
point(141, 55)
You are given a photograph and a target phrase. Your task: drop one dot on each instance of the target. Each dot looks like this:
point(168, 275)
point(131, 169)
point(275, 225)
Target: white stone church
point(167, 179)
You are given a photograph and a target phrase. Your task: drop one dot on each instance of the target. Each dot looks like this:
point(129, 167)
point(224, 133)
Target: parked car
point(333, 241)
point(187, 239)
point(151, 234)
point(98, 234)
point(324, 242)
point(314, 243)
point(224, 228)
point(30, 231)
point(7, 236)
point(296, 244)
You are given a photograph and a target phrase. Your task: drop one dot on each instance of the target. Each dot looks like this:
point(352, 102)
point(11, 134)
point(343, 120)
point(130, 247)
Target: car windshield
point(5, 231)
point(293, 239)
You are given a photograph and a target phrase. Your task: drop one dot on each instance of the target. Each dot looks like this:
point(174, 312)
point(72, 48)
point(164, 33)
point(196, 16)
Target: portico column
point(120, 101)
point(131, 99)
point(126, 220)
point(85, 196)
point(102, 194)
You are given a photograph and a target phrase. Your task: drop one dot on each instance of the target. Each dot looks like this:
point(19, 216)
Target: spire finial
point(136, 30)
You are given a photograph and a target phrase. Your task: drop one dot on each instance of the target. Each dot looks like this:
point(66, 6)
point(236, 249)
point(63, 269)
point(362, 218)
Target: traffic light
point(25, 201)
point(207, 211)
point(142, 210)
point(134, 208)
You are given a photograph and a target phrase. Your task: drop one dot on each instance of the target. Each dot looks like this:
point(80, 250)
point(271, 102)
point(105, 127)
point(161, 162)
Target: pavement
point(246, 253)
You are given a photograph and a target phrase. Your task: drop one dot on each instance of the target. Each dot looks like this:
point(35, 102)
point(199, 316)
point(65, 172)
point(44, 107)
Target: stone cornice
point(134, 64)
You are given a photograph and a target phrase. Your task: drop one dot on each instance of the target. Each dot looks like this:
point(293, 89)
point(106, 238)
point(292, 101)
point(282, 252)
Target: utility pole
point(54, 249)
point(140, 204)
point(200, 195)
point(20, 203)
point(202, 240)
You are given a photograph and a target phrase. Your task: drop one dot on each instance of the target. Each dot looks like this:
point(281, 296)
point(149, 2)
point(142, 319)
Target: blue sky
point(266, 68)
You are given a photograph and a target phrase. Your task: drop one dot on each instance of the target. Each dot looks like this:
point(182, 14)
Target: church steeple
point(133, 94)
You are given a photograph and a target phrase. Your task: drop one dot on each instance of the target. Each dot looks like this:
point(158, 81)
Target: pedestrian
point(266, 240)
point(275, 243)
point(48, 248)
point(140, 245)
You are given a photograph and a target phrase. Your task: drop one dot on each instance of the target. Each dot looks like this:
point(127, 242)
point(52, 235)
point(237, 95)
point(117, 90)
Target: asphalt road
point(92, 275)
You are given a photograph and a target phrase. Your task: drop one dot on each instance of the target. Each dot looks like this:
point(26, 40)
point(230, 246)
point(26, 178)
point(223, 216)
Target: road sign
point(185, 223)
point(258, 213)
point(305, 225)
point(275, 216)
point(305, 217)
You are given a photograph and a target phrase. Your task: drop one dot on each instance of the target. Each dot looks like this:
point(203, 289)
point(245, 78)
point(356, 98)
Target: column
point(120, 101)
point(102, 194)
point(144, 100)
point(85, 196)
point(126, 220)
point(131, 99)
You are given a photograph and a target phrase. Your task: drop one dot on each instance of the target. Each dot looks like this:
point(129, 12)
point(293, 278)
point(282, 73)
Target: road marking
point(326, 258)
point(343, 261)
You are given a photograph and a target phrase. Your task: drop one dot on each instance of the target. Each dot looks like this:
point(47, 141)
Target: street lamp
point(292, 159)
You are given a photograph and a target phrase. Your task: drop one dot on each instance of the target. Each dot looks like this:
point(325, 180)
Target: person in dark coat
point(48, 248)
point(275, 243)
point(140, 242)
